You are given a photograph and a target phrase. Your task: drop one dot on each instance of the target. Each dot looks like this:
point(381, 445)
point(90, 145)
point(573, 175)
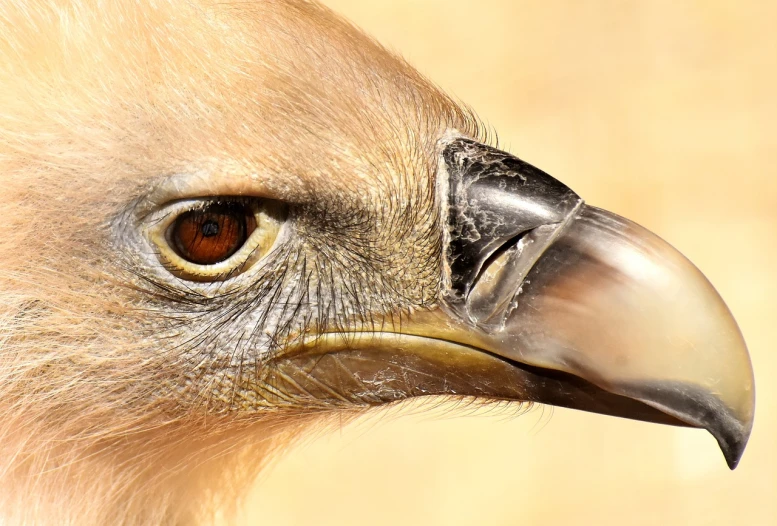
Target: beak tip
point(734, 423)
point(732, 436)
point(732, 445)
point(731, 430)
point(699, 408)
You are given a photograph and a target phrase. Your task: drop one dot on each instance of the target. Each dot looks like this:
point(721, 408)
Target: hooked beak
point(550, 300)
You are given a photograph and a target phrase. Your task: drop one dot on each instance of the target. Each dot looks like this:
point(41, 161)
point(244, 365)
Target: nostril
point(499, 258)
point(497, 282)
point(500, 279)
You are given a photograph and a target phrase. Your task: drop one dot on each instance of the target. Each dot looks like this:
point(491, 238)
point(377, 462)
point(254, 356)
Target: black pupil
point(210, 228)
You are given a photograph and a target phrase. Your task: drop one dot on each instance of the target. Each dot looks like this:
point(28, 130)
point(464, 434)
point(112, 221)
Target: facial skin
point(138, 387)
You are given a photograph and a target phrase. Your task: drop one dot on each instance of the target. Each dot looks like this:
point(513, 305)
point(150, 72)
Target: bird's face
point(252, 209)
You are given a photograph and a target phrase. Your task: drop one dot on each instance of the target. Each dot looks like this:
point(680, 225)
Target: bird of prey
point(226, 222)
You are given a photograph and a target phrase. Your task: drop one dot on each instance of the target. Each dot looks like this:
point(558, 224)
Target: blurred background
point(662, 111)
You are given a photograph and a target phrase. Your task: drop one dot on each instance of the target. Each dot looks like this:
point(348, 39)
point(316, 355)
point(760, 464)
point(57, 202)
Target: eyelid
point(269, 216)
point(226, 181)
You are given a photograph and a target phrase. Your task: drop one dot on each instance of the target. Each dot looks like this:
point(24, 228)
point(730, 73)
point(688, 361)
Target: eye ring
point(214, 239)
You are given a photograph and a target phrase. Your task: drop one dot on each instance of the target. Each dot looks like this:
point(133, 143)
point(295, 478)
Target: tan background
point(663, 111)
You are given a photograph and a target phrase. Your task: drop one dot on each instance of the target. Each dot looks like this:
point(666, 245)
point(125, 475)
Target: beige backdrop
point(663, 111)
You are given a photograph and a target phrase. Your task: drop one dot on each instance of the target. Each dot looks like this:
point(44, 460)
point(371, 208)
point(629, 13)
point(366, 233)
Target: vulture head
point(226, 222)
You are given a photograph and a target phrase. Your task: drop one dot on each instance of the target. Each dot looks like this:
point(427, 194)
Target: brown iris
point(212, 234)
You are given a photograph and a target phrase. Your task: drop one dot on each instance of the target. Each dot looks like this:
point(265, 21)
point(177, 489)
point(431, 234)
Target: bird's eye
point(211, 235)
point(213, 239)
